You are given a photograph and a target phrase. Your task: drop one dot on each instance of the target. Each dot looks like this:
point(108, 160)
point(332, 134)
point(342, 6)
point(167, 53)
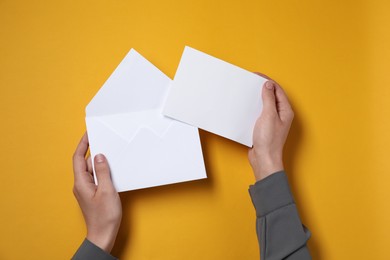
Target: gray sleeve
point(279, 229)
point(89, 251)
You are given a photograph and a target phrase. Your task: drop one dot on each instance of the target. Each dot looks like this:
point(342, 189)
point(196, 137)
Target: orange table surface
point(331, 57)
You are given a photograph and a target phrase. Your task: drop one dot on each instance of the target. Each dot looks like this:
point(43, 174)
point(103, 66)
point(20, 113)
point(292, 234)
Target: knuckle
point(290, 113)
point(74, 157)
point(75, 191)
point(77, 188)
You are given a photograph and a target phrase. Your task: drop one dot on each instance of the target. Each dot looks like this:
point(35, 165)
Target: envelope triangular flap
point(129, 124)
point(102, 139)
point(135, 85)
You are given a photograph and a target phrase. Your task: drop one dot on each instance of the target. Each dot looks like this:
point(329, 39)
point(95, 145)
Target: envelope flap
point(104, 140)
point(135, 85)
point(128, 125)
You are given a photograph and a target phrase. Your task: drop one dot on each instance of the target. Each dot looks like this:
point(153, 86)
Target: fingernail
point(99, 158)
point(269, 85)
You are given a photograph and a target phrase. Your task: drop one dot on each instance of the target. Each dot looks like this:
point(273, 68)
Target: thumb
point(268, 96)
point(102, 171)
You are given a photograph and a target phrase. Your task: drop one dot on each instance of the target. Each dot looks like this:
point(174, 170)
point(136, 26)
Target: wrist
point(105, 240)
point(262, 174)
point(266, 165)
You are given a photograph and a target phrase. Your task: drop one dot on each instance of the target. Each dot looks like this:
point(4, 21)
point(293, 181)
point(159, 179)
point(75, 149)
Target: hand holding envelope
point(144, 148)
point(125, 123)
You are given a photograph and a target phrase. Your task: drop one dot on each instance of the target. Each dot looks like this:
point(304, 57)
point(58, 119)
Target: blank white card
point(215, 96)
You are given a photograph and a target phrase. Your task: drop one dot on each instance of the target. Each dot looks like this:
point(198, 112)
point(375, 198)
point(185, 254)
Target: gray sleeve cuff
point(271, 193)
point(89, 251)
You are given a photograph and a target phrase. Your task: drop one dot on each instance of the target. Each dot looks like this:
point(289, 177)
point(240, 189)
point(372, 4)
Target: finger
point(263, 75)
point(89, 164)
point(282, 104)
point(268, 96)
point(79, 164)
point(90, 169)
point(102, 171)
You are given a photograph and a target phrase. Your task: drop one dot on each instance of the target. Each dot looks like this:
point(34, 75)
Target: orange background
point(332, 57)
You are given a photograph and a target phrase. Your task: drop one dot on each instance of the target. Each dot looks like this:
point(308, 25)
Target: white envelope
point(125, 123)
point(215, 96)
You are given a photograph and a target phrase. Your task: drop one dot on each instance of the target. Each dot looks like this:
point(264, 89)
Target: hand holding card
point(215, 96)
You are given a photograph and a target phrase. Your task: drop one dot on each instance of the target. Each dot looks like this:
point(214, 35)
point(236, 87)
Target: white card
point(215, 96)
point(125, 123)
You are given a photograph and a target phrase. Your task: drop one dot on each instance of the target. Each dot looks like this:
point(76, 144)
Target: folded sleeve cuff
point(271, 193)
point(88, 250)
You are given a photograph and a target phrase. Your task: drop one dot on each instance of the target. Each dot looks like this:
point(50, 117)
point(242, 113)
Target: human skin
point(270, 131)
point(100, 204)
